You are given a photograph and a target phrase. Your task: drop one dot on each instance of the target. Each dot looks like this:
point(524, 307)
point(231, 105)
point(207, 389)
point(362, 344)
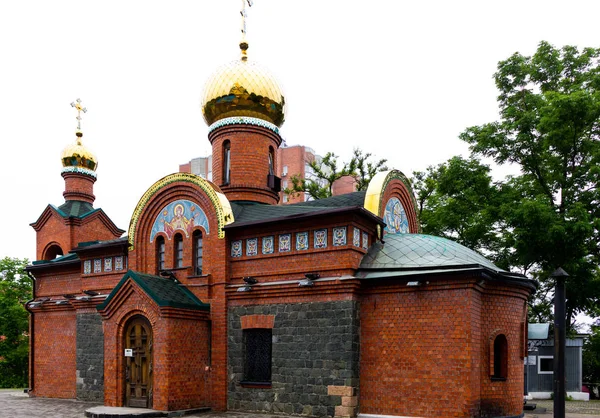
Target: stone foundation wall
point(90, 357)
point(315, 346)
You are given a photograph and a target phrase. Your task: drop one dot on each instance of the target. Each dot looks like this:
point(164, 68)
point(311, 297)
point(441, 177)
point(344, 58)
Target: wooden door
point(138, 366)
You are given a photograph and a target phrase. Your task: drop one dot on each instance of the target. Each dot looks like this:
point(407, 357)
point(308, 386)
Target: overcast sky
point(398, 79)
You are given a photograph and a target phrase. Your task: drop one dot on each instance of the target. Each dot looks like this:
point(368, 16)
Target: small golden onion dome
point(76, 155)
point(243, 88)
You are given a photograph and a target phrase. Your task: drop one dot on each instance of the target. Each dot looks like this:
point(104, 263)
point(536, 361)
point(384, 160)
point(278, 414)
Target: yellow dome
point(76, 155)
point(243, 88)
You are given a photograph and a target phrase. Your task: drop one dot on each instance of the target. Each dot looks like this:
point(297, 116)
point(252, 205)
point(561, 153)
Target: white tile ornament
point(268, 244)
point(302, 241)
point(321, 238)
point(339, 236)
point(251, 246)
point(97, 265)
point(108, 264)
point(356, 237)
point(119, 263)
point(285, 241)
point(87, 267)
point(236, 248)
point(365, 240)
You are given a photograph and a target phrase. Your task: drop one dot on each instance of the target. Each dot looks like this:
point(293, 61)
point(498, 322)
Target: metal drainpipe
point(31, 334)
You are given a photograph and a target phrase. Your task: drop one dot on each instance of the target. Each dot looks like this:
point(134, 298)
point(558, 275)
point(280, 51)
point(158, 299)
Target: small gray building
point(539, 364)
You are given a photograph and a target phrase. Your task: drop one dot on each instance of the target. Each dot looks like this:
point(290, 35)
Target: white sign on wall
point(129, 352)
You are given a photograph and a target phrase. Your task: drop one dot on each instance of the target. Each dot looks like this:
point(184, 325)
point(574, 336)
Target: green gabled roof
point(75, 209)
point(253, 213)
point(163, 291)
point(61, 259)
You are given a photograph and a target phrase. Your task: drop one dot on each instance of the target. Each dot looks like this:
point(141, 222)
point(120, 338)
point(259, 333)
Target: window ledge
point(498, 379)
point(257, 385)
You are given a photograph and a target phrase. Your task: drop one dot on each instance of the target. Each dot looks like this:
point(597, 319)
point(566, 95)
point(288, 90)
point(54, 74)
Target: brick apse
point(219, 296)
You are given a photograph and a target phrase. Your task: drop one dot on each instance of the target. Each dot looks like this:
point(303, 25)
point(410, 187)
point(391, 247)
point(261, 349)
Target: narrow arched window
point(500, 357)
point(226, 162)
point(197, 237)
point(271, 161)
point(160, 254)
point(178, 248)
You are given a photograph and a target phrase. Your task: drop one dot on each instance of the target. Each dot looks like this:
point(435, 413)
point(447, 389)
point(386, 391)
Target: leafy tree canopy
point(548, 216)
point(15, 291)
point(327, 170)
point(591, 357)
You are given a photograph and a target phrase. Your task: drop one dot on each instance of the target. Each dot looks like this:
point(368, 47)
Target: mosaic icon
point(302, 241)
point(285, 243)
point(395, 217)
point(339, 236)
point(236, 248)
point(321, 238)
point(251, 246)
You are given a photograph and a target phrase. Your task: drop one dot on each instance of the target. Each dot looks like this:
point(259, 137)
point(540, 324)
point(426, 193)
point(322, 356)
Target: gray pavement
point(16, 404)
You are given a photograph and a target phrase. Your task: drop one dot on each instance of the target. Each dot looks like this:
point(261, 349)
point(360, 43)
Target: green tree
point(15, 291)
point(591, 357)
point(318, 183)
point(550, 127)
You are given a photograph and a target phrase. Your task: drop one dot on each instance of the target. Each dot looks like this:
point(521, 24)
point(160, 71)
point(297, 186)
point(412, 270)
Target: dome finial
point(244, 42)
point(76, 157)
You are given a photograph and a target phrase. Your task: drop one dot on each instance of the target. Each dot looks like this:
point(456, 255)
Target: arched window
point(160, 254)
point(500, 358)
point(197, 239)
point(226, 162)
point(52, 252)
point(271, 161)
point(178, 248)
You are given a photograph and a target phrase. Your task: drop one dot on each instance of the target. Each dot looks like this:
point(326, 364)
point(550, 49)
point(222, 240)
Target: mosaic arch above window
point(395, 217)
point(180, 215)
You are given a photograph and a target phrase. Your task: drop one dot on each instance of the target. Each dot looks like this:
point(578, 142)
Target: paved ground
point(16, 404)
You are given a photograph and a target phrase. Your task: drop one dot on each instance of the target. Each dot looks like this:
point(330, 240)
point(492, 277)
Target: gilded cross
point(244, 15)
point(77, 105)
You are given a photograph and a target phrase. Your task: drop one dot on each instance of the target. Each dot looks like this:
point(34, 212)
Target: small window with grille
point(257, 357)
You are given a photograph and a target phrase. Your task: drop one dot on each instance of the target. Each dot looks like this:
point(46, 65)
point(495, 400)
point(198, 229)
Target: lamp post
point(559, 342)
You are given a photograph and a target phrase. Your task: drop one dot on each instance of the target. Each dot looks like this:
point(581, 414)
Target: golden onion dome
point(78, 156)
point(243, 88)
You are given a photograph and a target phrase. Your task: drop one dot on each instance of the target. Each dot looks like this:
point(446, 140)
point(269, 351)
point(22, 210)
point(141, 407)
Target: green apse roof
point(411, 254)
point(163, 291)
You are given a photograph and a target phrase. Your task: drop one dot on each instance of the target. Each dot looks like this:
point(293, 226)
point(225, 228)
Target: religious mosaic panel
point(356, 237)
point(180, 215)
point(119, 263)
point(339, 236)
point(108, 264)
point(365, 240)
point(87, 266)
point(251, 246)
point(395, 217)
point(302, 241)
point(285, 242)
point(267, 245)
point(97, 265)
point(236, 248)
point(321, 238)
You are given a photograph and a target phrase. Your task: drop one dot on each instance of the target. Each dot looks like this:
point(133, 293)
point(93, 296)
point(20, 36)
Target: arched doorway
point(138, 363)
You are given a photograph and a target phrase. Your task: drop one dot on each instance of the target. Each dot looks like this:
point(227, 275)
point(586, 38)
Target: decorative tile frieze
point(321, 238)
point(97, 265)
point(302, 241)
point(365, 240)
point(251, 246)
point(236, 248)
point(87, 267)
point(339, 236)
point(268, 244)
point(108, 264)
point(119, 263)
point(356, 237)
point(285, 241)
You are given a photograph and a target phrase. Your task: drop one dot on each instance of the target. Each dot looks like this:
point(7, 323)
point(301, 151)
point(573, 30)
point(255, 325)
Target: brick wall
point(315, 345)
point(90, 357)
point(54, 353)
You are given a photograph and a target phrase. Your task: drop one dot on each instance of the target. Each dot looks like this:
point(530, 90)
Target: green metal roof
point(75, 209)
point(61, 259)
point(419, 254)
point(163, 291)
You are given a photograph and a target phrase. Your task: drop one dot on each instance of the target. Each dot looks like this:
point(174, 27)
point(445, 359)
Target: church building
point(219, 297)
